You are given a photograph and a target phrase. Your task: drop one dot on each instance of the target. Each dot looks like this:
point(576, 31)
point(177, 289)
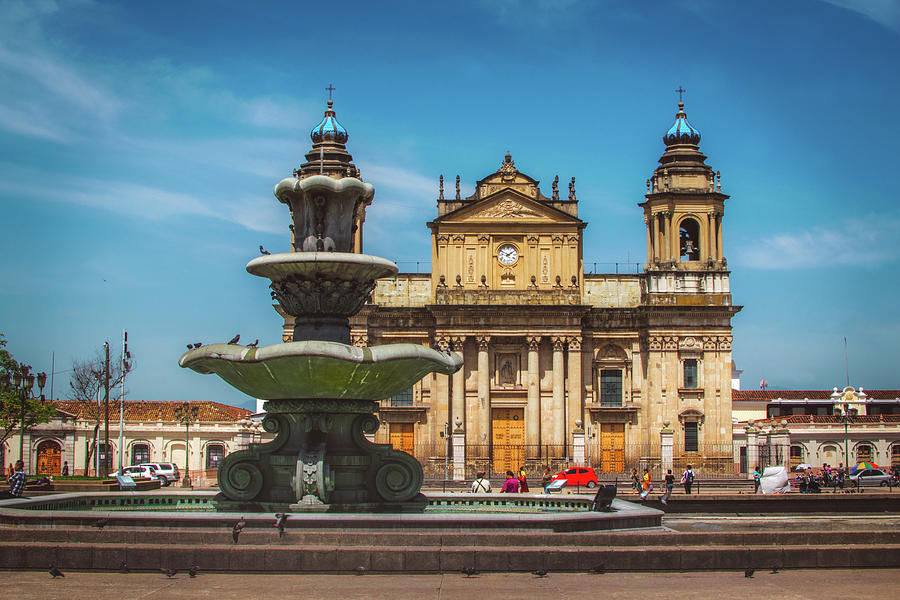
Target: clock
point(507, 254)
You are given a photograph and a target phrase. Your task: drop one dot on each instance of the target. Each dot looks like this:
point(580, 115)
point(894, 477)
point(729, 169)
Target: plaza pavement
point(815, 584)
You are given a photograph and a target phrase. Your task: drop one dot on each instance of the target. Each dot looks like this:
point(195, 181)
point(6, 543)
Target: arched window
point(829, 454)
point(214, 455)
point(106, 459)
point(895, 456)
point(689, 236)
point(796, 456)
point(140, 453)
point(864, 453)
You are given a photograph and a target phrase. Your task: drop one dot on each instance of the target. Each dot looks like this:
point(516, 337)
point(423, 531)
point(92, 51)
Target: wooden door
point(403, 437)
point(612, 447)
point(508, 439)
point(48, 458)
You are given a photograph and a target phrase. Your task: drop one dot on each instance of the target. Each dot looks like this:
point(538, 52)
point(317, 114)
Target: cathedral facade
point(560, 366)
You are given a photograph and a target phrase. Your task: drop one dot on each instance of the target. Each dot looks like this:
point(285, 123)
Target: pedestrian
point(547, 479)
point(65, 469)
point(511, 485)
point(481, 485)
point(646, 485)
point(687, 479)
point(16, 482)
point(670, 484)
point(635, 481)
point(756, 478)
point(523, 481)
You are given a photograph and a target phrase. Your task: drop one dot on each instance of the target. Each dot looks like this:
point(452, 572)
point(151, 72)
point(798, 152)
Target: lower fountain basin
point(319, 369)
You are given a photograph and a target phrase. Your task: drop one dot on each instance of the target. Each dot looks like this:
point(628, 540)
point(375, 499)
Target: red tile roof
point(144, 410)
point(829, 419)
point(766, 395)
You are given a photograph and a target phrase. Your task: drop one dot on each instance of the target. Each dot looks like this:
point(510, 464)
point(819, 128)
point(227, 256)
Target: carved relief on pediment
point(508, 209)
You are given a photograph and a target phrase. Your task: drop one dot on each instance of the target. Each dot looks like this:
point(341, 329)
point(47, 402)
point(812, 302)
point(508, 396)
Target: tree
point(87, 384)
point(11, 409)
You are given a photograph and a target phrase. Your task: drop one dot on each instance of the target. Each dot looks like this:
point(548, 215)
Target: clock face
point(507, 254)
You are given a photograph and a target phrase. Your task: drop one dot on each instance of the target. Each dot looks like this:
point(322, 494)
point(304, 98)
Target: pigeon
point(775, 568)
point(190, 346)
point(235, 339)
point(100, 523)
point(237, 529)
point(193, 571)
point(469, 571)
point(540, 573)
point(254, 344)
point(198, 344)
point(123, 568)
point(280, 519)
point(360, 570)
point(170, 573)
point(749, 572)
point(263, 251)
point(55, 572)
point(599, 569)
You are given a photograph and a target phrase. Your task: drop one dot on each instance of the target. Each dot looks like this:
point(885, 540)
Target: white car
point(166, 472)
point(138, 472)
point(868, 477)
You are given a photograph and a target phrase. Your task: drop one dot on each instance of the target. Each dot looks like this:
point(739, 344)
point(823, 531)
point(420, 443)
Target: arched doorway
point(49, 455)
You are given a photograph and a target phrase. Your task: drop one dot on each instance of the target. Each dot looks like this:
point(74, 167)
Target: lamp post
point(22, 383)
point(186, 414)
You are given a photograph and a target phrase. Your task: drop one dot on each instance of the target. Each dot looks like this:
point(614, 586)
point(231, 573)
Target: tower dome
point(681, 132)
point(329, 130)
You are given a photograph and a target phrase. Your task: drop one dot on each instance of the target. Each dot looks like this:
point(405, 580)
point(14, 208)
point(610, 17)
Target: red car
point(578, 476)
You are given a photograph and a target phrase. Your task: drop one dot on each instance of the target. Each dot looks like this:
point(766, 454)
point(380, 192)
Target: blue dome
point(681, 132)
point(329, 130)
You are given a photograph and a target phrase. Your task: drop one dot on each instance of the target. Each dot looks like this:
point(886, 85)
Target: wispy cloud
point(869, 241)
point(884, 12)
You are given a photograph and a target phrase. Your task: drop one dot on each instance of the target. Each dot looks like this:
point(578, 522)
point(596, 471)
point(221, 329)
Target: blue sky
point(140, 143)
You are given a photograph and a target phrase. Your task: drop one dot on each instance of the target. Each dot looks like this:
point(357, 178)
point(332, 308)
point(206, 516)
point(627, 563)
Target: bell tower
point(683, 212)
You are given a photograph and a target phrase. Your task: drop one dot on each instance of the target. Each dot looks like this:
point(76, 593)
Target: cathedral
point(561, 367)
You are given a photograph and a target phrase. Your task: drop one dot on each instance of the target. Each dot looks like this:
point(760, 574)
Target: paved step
point(659, 537)
point(328, 559)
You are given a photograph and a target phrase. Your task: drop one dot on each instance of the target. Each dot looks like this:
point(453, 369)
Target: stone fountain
point(321, 392)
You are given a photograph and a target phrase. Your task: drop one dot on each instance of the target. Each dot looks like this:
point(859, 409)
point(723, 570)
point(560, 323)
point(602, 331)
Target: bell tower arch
point(683, 210)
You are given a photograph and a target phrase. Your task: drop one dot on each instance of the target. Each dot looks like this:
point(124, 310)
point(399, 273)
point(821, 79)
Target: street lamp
point(22, 383)
point(186, 414)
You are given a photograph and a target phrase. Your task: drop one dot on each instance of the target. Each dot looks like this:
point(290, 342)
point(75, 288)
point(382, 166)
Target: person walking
point(523, 481)
point(687, 479)
point(670, 485)
point(511, 485)
point(646, 485)
point(547, 479)
point(635, 481)
point(16, 482)
point(65, 469)
point(756, 478)
point(481, 485)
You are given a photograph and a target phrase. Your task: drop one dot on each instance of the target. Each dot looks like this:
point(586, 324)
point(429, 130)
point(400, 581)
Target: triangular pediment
point(506, 205)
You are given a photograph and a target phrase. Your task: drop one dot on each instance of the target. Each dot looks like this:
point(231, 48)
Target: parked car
point(139, 472)
point(869, 477)
point(166, 472)
point(578, 476)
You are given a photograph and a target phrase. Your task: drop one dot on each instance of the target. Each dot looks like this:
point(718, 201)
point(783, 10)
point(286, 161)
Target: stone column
point(782, 441)
point(666, 452)
point(483, 429)
point(576, 393)
point(719, 236)
point(656, 253)
point(752, 448)
point(533, 405)
point(458, 408)
point(578, 444)
point(559, 394)
point(648, 223)
point(459, 450)
point(711, 237)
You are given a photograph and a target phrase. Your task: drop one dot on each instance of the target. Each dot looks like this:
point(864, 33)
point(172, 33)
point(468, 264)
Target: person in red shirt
point(511, 485)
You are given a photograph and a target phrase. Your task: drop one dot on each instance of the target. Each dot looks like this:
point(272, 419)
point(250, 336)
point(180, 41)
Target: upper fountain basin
point(320, 369)
point(321, 283)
